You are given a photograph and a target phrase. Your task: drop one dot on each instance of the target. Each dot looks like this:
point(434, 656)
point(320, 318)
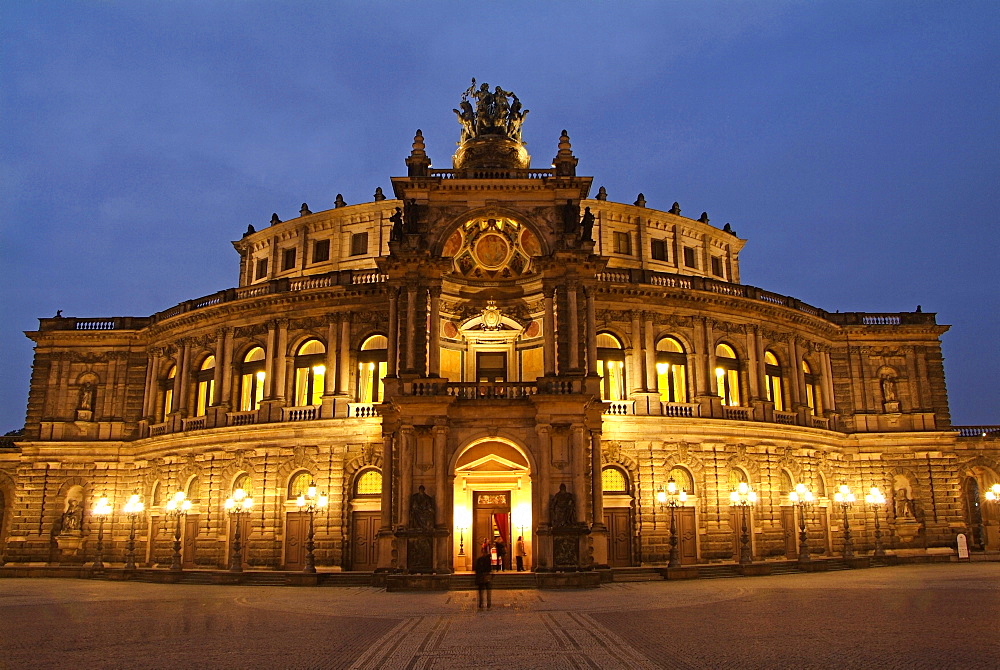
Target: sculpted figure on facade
point(562, 509)
point(496, 112)
point(421, 510)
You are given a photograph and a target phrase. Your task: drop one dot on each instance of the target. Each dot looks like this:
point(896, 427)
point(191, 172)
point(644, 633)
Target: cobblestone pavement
point(936, 616)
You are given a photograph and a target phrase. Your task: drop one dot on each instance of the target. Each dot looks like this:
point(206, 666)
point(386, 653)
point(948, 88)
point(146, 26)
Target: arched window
point(786, 484)
point(193, 492)
point(613, 480)
point(206, 385)
point(252, 380)
point(682, 477)
point(244, 482)
point(611, 367)
point(737, 476)
point(372, 368)
point(812, 390)
point(671, 370)
point(168, 391)
point(156, 495)
point(299, 484)
point(727, 376)
point(368, 484)
point(772, 381)
point(310, 373)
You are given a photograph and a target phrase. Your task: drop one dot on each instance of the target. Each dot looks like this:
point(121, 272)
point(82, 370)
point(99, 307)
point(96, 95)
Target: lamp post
point(237, 505)
point(993, 496)
point(672, 498)
point(133, 508)
point(802, 497)
point(845, 498)
point(875, 499)
point(461, 541)
point(743, 498)
point(178, 506)
point(310, 502)
point(102, 508)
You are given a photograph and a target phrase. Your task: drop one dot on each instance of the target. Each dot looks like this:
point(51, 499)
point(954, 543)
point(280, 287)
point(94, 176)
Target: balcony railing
point(786, 418)
point(361, 410)
point(684, 410)
point(494, 391)
point(978, 431)
point(620, 407)
point(307, 413)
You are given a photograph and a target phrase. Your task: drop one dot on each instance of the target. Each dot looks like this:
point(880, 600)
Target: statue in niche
point(889, 389)
point(587, 226)
point(562, 508)
point(396, 234)
point(72, 518)
point(86, 397)
point(421, 510)
point(410, 214)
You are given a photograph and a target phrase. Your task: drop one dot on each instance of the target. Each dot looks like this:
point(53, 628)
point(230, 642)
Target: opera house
point(494, 351)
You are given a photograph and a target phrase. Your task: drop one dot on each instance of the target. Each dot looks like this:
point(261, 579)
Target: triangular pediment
point(492, 463)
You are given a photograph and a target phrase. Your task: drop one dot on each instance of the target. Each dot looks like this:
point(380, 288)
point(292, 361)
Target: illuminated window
point(611, 367)
point(359, 244)
point(772, 381)
point(310, 373)
point(299, 484)
point(244, 482)
point(321, 251)
point(206, 386)
point(812, 390)
point(613, 480)
point(288, 259)
point(786, 484)
point(368, 483)
point(671, 370)
point(168, 391)
point(261, 271)
point(372, 368)
point(736, 477)
point(193, 492)
point(252, 377)
point(682, 477)
point(727, 375)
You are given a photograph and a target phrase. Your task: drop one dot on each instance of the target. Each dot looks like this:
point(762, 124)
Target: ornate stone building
point(492, 352)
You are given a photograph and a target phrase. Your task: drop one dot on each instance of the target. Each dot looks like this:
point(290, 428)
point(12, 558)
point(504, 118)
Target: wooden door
point(296, 534)
point(687, 536)
point(790, 532)
point(619, 523)
point(189, 542)
point(364, 529)
point(822, 520)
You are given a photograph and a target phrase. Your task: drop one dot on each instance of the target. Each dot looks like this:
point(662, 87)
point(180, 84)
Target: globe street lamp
point(993, 496)
point(875, 499)
point(133, 509)
point(744, 498)
point(672, 498)
point(310, 502)
point(802, 498)
point(102, 508)
point(237, 505)
point(177, 507)
point(845, 498)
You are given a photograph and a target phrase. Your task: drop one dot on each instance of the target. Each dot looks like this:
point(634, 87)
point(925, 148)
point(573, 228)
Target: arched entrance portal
point(492, 501)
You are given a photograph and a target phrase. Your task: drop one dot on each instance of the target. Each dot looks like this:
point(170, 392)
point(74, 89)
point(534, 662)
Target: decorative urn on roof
point(491, 130)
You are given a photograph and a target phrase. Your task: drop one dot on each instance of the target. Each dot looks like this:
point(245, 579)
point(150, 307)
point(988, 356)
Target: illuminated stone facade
point(540, 362)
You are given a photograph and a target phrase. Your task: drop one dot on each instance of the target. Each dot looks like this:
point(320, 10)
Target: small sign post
point(963, 547)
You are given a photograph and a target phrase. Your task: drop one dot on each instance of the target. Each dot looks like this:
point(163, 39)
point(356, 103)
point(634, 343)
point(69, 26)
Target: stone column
point(710, 354)
point(591, 334)
point(392, 347)
point(826, 374)
point(699, 358)
point(344, 362)
point(595, 478)
point(406, 438)
point(549, 328)
point(411, 327)
point(755, 346)
point(281, 360)
point(220, 346)
point(330, 378)
point(388, 521)
point(440, 467)
point(638, 357)
point(434, 334)
point(544, 487)
point(149, 399)
point(181, 380)
point(579, 474)
point(650, 351)
point(269, 360)
point(574, 327)
point(228, 370)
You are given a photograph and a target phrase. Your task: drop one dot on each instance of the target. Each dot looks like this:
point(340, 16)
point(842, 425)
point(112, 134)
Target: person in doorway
point(501, 549)
point(519, 553)
point(484, 579)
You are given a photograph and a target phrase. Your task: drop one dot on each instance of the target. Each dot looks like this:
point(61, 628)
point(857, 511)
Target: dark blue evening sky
point(855, 144)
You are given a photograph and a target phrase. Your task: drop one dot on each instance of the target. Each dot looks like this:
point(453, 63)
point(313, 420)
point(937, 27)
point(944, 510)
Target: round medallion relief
point(492, 250)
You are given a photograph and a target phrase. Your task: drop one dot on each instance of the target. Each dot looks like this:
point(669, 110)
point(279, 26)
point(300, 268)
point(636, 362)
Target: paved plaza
point(934, 616)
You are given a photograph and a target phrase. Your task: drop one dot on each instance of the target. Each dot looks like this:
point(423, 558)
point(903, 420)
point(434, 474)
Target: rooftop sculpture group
point(493, 114)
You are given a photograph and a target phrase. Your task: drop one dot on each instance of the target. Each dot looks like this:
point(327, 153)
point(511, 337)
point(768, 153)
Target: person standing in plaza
point(484, 578)
point(501, 548)
point(519, 553)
